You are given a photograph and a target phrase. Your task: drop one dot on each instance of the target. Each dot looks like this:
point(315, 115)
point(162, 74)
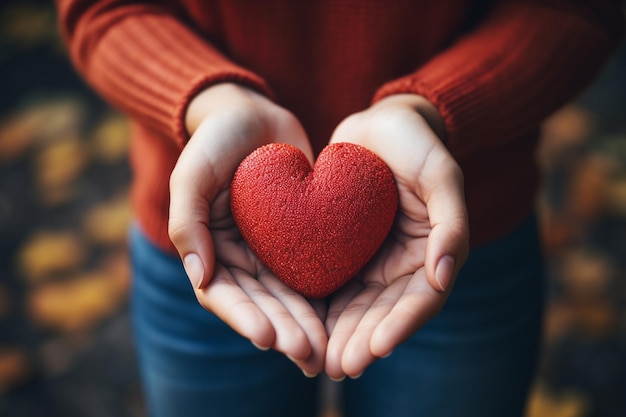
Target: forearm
point(145, 61)
point(524, 61)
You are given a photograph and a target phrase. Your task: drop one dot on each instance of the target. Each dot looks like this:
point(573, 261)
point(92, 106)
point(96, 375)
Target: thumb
point(188, 224)
point(448, 242)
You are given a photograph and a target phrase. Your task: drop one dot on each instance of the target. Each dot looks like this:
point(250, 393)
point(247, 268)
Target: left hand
point(226, 122)
point(410, 278)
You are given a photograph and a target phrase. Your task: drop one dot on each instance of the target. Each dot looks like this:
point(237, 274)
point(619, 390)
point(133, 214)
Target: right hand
point(409, 279)
point(226, 123)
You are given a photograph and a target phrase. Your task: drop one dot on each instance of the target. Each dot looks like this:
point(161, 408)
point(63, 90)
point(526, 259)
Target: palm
point(399, 290)
point(228, 278)
point(403, 251)
point(254, 302)
point(254, 298)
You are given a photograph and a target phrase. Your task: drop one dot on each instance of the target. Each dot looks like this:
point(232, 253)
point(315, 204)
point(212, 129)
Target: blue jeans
point(476, 358)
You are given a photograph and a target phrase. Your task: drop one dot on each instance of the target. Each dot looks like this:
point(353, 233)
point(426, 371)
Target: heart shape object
point(314, 227)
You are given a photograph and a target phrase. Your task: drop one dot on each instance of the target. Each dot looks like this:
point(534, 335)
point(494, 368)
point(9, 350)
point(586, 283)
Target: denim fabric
point(476, 358)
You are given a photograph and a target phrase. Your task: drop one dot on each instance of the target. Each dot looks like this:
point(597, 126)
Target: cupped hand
point(226, 123)
point(409, 279)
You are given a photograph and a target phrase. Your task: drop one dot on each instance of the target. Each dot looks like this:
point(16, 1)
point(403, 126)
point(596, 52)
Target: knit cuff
point(500, 81)
point(151, 66)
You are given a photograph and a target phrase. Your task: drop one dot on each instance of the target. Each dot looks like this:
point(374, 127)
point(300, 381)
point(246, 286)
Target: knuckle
point(176, 229)
point(176, 177)
point(203, 302)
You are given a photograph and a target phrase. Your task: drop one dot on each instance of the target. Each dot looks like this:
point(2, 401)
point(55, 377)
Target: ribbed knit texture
point(494, 78)
point(149, 64)
point(502, 80)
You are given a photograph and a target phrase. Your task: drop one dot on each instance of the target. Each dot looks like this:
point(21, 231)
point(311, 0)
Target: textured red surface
point(314, 227)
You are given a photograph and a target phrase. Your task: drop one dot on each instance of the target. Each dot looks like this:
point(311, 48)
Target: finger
point(204, 169)
point(441, 184)
point(189, 216)
point(289, 339)
point(357, 353)
point(339, 301)
point(225, 298)
point(343, 330)
point(321, 309)
point(231, 251)
point(418, 304)
point(307, 344)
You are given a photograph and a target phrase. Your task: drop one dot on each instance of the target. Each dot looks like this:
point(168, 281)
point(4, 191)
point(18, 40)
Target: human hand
point(409, 279)
point(226, 123)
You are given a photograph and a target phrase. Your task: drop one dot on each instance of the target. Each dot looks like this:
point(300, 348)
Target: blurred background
point(65, 340)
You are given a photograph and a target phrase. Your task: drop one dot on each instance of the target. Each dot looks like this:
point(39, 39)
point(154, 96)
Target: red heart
point(314, 227)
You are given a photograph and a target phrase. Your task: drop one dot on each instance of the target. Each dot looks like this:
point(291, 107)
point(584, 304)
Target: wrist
point(212, 98)
point(420, 104)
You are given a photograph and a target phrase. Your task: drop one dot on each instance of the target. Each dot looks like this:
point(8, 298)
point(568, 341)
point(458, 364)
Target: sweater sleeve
point(525, 59)
point(145, 60)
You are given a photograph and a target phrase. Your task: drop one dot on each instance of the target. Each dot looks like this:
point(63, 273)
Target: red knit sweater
point(494, 69)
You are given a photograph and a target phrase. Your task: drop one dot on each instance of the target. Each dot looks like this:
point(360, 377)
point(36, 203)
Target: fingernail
point(259, 346)
point(443, 272)
point(387, 355)
point(194, 268)
point(305, 373)
point(357, 376)
point(308, 375)
point(337, 379)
